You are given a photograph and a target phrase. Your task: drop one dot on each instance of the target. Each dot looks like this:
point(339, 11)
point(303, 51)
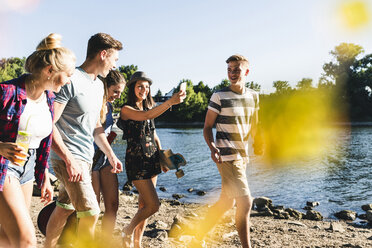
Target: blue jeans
point(25, 173)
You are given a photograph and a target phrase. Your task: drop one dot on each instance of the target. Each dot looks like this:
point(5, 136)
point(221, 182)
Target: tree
point(338, 70)
point(127, 71)
point(281, 87)
point(341, 73)
point(254, 86)
point(194, 106)
point(224, 83)
point(305, 84)
point(200, 87)
point(158, 94)
point(11, 68)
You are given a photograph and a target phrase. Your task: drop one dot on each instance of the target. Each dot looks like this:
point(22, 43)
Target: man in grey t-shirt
point(77, 125)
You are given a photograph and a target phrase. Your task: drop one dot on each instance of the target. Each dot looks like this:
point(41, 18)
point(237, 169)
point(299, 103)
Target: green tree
point(201, 87)
point(254, 86)
point(11, 68)
point(159, 94)
point(305, 84)
point(224, 83)
point(281, 87)
point(127, 71)
point(194, 106)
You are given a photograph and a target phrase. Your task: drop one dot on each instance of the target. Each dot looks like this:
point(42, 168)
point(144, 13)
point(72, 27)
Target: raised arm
point(128, 112)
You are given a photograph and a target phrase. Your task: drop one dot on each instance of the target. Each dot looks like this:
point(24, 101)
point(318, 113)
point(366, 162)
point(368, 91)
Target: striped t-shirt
point(233, 123)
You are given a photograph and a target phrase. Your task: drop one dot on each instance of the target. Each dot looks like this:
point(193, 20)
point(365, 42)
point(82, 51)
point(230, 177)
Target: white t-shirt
point(36, 119)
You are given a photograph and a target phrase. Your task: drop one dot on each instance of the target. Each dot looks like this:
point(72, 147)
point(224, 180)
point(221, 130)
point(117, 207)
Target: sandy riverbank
point(266, 231)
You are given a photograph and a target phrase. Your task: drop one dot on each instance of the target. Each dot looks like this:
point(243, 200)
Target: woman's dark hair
point(148, 103)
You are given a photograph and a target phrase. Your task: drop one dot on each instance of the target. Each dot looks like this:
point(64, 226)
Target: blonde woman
point(26, 104)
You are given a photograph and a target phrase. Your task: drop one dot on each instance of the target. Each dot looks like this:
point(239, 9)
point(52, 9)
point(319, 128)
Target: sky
point(173, 40)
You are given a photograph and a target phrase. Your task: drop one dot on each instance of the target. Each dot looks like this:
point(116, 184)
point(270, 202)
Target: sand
point(265, 231)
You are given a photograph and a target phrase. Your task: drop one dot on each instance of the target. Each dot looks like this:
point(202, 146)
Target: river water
point(339, 179)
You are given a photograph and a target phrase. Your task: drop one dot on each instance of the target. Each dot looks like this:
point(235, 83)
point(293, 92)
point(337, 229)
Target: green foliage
point(204, 89)
point(224, 83)
point(281, 87)
point(11, 68)
point(127, 71)
point(159, 94)
point(194, 106)
point(305, 84)
point(254, 86)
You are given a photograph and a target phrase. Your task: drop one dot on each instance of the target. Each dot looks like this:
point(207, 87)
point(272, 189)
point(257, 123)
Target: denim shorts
point(25, 173)
point(101, 163)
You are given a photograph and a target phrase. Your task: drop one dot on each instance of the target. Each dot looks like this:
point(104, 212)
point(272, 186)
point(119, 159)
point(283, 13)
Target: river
point(339, 179)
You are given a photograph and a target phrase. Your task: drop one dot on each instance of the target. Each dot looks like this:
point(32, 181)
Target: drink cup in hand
point(23, 140)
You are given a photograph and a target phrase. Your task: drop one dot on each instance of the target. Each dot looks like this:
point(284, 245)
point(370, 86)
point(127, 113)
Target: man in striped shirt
point(234, 112)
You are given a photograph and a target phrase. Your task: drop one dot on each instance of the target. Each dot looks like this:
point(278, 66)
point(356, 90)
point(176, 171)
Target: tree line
point(345, 86)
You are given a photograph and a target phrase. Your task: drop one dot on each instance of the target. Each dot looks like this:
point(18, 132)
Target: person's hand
point(164, 168)
point(116, 164)
point(13, 152)
point(215, 154)
point(74, 171)
point(46, 191)
point(178, 97)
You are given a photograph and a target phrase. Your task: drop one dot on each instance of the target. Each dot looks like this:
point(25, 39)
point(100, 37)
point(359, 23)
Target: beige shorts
point(234, 178)
point(77, 196)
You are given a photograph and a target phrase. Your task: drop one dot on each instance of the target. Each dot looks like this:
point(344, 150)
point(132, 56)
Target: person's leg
point(56, 223)
point(151, 202)
point(213, 215)
point(27, 190)
point(139, 230)
point(15, 219)
point(96, 184)
point(243, 209)
point(110, 192)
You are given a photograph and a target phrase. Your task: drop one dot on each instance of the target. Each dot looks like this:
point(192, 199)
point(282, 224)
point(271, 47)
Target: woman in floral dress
point(143, 145)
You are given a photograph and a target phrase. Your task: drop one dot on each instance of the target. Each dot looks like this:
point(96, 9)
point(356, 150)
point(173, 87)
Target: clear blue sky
point(172, 39)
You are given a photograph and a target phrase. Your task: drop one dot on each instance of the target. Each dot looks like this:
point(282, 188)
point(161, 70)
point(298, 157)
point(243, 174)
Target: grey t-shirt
point(83, 98)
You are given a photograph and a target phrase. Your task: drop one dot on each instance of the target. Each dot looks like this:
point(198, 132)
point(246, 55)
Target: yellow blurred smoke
point(355, 14)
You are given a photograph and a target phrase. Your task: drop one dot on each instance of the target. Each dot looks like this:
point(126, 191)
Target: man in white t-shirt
point(234, 111)
point(77, 124)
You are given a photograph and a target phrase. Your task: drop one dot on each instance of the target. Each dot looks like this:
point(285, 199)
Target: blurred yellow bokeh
point(298, 125)
point(355, 14)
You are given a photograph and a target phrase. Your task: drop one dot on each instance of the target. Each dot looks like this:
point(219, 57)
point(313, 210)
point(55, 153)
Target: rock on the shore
point(162, 189)
point(367, 207)
point(346, 215)
point(294, 213)
point(262, 202)
point(178, 196)
point(313, 215)
point(336, 227)
point(312, 204)
point(369, 216)
point(201, 192)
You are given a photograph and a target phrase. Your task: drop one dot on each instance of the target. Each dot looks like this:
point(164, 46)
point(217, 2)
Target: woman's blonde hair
point(50, 52)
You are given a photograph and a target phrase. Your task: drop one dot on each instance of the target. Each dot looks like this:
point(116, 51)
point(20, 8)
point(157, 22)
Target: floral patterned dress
point(142, 155)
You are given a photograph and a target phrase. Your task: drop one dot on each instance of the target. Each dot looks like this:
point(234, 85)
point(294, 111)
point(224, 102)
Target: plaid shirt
point(12, 103)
